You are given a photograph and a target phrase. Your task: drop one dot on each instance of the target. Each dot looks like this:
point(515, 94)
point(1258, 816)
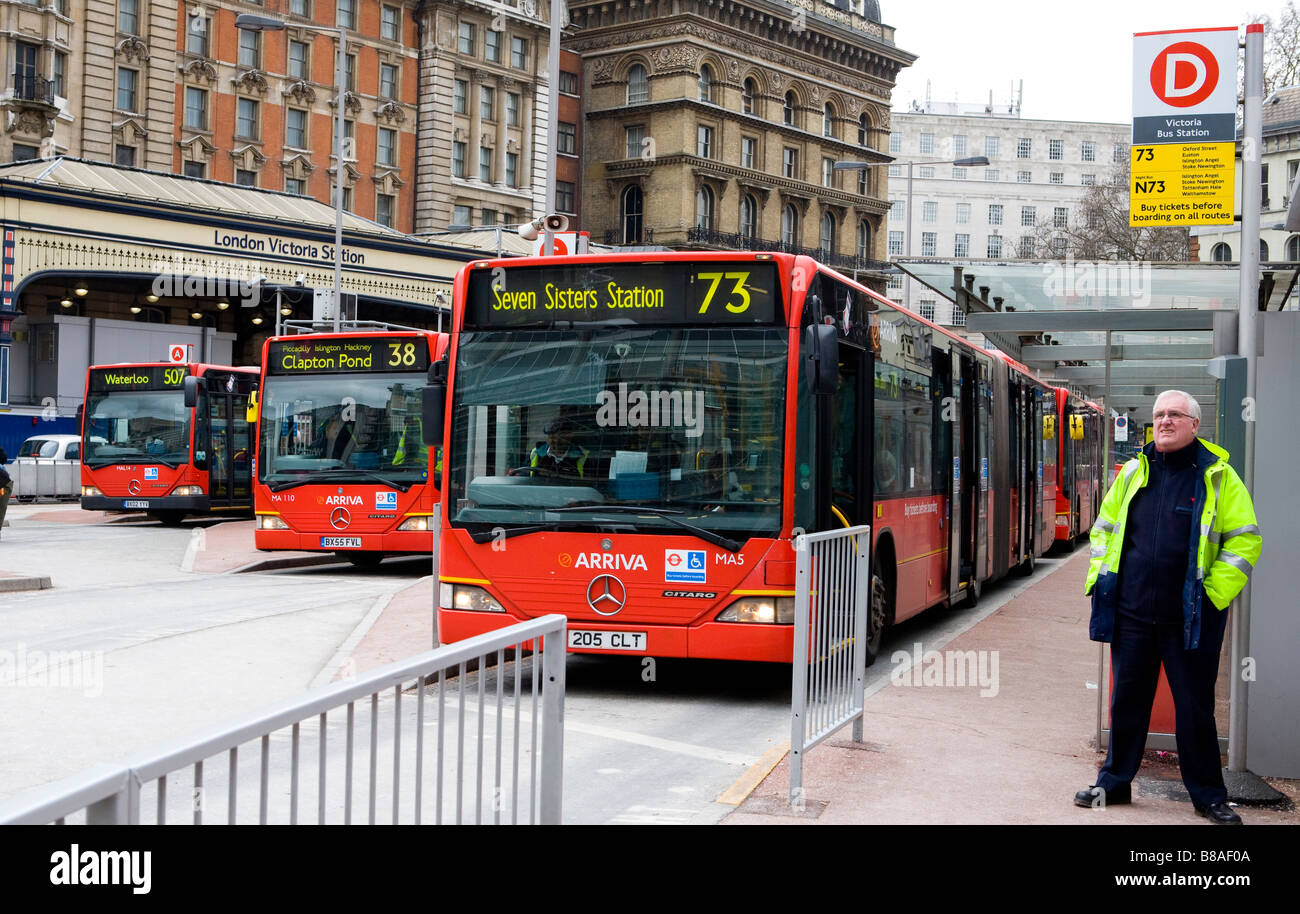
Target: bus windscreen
point(137, 414)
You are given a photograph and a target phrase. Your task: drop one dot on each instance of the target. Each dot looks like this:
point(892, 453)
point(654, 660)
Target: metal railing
point(742, 242)
point(29, 87)
point(832, 586)
point(45, 477)
point(530, 749)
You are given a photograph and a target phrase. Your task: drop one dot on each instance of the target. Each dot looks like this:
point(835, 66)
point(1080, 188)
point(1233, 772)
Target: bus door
point(849, 498)
point(964, 488)
point(229, 443)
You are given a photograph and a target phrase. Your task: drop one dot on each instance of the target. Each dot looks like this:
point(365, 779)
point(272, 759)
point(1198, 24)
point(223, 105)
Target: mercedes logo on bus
point(133, 487)
point(340, 518)
point(606, 595)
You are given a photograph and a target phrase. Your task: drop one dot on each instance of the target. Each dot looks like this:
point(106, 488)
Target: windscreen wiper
point(716, 539)
point(345, 473)
point(493, 533)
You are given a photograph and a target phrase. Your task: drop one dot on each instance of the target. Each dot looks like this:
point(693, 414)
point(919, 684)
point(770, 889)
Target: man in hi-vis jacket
point(1173, 544)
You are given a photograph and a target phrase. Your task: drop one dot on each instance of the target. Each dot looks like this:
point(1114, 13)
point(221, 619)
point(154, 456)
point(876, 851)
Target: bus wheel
point(169, 518)
point(877, 612)
point(972, 598)
point(1026, 568)
point(363, 559)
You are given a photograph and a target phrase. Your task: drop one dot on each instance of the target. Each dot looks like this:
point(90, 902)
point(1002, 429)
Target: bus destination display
point(710, 292)
point(151, 377)
point(408, 353)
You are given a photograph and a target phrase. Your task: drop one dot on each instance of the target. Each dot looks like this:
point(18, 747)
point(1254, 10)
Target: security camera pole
point(256, 23)
point(558, 9)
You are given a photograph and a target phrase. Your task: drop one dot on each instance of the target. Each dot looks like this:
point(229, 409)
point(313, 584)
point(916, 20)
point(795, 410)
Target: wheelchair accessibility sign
point(685, 566)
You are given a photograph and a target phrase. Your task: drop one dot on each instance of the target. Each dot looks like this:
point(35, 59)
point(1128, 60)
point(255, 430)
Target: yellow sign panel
point(1076, 428)
point(1181, 184)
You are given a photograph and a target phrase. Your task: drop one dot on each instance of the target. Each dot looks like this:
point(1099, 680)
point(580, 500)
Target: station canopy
point(1166, 321)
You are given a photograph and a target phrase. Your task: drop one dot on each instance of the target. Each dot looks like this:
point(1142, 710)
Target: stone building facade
point(717, 125)
point(484, 102)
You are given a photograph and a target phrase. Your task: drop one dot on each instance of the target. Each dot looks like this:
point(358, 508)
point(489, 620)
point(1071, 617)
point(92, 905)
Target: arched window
point(704, 208)
point(1293, 249)
point(864, 131)
point(1263, 250)
point(748, 217)
point(706, 83)
point(787, 112)
point(863, 246)
point(790, 225)
point(828, 120)
point(749, 96)
point(1221, 253)
point(827, 234)
point(631, 214)
point(638, 85)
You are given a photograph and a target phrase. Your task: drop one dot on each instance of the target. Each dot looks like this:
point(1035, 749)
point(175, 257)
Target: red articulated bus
point(633, 441)
point(341, 464)
point(1080, 459)
point(168, 439)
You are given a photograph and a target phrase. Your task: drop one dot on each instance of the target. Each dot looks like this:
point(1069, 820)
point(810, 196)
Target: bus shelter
point(1119, 333)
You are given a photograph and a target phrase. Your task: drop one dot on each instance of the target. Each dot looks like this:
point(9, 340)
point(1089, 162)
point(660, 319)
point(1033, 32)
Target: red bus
point(634, 442)
point(341, 464)
point(171, 440)
point(1081, 488)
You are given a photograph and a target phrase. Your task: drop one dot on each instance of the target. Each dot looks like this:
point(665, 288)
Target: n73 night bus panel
point(635, 443)
point(145, 448)
point(341, 463)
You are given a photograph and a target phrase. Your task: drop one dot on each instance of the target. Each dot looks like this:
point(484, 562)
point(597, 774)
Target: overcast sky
point(1076, 60)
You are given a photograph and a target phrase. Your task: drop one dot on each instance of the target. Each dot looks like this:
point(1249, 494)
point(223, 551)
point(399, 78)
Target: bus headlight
point(415, 523)
point(188, 490)
point(468, 598)
point(270, 522)
point(765, 610)
point(90, 490)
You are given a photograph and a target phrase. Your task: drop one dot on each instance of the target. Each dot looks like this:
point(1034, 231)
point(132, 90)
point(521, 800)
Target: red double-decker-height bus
point(341, 464)
point(634, 441)
point(168, 439)
point(1082, 475)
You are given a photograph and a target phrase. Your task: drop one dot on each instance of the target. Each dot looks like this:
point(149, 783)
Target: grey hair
point(1193, 408)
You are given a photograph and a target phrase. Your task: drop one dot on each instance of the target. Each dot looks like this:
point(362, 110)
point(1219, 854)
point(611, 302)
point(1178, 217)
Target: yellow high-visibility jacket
point(1227, 548)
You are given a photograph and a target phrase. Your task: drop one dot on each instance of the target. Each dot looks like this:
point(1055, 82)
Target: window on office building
point(959, 146)
point(704, 141)
point(929, 211)
point(485, 164)
point(386, 146)
point(291, 185)
point(995, 214)
point(1056, 150)
point(196, 108)
point(245, 178)
point(635, 136)
point(963, 213)
point(638, 85)
point(1024, 177)
point(995, 246)
point(297, 63)
point(1061, 217)
point(895, 244)
point(347, 14)
point(567, 138)
point(295, 128)
point(247, 119)
point(927, 144)
point(458, 159)
point(961, 245)
point(465, 38)
point(992, 174)
point(512, 169)
point(1024, 147)
point(250, 49)
point(789, 162)
point(895, 143)
point(127, 81)
point(390, 23)
point(990, 147)
point(1088, 151)
point(519, 53)
point(460, 97)
point(1056, 177)
point(387, 80)
point(568, 83)
point(565, 196)
point(1028, 215)
point(492, 45)
point(1025, 247)
point(384, 207)
point(748, 151)
point(929, 244)
point(512, 109)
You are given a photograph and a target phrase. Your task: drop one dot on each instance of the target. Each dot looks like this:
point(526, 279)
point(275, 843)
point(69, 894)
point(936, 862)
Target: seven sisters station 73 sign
point(1184, 127)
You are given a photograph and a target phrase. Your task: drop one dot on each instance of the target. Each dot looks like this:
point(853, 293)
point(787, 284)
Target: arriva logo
point(610, 561)
point(342, 500)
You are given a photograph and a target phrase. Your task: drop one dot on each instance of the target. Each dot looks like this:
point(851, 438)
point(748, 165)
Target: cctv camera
point(300, 279)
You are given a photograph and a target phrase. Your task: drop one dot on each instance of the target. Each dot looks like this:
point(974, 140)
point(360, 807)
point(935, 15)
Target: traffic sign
point(1184, 127)
point(176, 352)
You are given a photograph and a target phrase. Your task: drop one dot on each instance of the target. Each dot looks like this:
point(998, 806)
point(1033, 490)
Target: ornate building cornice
point(251, 82)
point(199, 69)
point(300, 91)
point(132, 48)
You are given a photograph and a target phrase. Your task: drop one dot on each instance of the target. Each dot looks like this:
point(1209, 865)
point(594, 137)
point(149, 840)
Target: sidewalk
point(944, 755)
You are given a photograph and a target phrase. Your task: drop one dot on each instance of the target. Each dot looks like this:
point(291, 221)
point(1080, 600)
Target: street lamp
point(907, 240)
point(256, 23)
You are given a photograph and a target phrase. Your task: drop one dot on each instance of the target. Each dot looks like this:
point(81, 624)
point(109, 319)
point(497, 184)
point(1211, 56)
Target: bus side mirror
point(433, 404)
point(251, 411)
point(823, 352)
point(191, 388)
point(81, 418)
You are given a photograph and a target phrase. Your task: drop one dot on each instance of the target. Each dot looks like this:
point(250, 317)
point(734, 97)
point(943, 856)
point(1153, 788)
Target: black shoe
point(1219, 814)
point(1101, 798)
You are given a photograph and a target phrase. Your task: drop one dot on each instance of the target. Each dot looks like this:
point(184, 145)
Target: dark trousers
point(1136, 653)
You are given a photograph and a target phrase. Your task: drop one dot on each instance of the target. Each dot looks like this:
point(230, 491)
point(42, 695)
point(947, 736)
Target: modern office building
point(1014, 208)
